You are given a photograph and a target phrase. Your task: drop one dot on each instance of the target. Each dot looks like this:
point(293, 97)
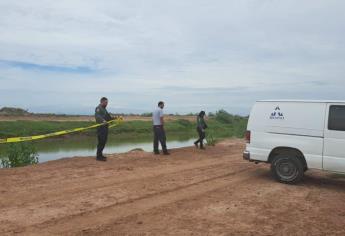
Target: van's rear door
point(334, 138)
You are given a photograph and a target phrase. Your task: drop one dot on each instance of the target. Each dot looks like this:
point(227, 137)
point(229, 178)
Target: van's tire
point(287, 169)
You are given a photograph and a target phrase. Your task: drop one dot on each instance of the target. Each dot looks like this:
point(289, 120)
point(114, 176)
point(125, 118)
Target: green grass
point(28, 128)
point(221, 126)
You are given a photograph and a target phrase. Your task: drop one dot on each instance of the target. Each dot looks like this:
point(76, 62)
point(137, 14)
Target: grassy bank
point(221, 125)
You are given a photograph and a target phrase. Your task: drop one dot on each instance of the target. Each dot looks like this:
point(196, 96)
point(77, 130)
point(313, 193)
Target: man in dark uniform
point(201, 126)
point(102, 117)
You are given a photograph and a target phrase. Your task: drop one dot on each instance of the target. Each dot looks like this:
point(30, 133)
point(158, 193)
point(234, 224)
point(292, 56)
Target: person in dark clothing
point(158, 130)
point(201, 126)
point(102, 117)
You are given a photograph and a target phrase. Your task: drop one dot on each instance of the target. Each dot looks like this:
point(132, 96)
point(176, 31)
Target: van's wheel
point(287, 169)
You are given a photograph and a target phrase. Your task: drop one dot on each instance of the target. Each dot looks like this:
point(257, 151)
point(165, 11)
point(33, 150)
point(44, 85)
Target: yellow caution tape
point(111, 124)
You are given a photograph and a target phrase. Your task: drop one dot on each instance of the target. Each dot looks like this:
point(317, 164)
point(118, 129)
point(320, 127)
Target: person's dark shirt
point(101, 114)
point(201, 124)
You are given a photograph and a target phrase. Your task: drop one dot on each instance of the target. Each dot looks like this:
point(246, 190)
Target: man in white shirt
point(158, 130)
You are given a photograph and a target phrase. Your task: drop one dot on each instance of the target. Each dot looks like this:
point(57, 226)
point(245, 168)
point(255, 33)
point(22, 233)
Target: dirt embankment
point(192, 192)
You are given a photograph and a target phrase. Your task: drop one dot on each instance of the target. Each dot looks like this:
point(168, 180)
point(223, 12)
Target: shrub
point(224, 117)
point(211, 141)
point(19, 154)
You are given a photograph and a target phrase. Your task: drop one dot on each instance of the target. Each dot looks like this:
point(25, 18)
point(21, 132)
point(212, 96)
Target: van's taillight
point(247, 136)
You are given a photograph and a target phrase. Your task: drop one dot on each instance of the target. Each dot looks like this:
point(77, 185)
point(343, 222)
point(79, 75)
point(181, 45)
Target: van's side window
point(336, 120)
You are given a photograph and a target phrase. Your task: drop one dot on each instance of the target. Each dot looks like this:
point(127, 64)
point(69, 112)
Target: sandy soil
point(192, 192)
point(83, 118)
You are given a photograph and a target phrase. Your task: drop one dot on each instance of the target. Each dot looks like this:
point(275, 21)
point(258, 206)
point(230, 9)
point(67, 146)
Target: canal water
point(86, 146)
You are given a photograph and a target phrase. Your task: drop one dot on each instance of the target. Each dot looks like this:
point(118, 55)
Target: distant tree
point(146, 114)
point(13, 111)
point(224, 117)
point(192, 114)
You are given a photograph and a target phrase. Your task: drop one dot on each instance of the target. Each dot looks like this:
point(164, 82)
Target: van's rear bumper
point(246, 155)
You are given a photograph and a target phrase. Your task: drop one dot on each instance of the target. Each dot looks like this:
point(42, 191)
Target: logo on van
point(277, 114)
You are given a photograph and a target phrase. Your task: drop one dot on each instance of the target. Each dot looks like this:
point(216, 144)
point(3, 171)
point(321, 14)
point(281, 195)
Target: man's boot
point(101, 158)
point(196, 145)
point(165, 152)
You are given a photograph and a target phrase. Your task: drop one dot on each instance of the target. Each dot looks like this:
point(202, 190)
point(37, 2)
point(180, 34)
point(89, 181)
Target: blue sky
point(62, 56)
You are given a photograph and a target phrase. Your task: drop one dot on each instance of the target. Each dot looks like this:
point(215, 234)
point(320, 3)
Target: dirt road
point(193, 192)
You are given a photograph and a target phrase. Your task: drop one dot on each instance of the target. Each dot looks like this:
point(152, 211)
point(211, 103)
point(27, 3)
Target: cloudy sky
point(62, 56)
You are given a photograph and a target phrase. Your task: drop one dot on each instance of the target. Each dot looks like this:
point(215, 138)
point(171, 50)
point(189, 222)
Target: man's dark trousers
point(202, 136)
point(159, 136)
point(102, 132)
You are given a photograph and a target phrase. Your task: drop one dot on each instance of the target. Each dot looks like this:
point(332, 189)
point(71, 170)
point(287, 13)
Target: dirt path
point(193, 192)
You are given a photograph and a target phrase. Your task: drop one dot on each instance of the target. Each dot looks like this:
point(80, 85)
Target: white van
point(294, 136)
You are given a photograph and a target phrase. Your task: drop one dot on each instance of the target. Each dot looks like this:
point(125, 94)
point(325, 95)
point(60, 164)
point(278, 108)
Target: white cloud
point(274, 48)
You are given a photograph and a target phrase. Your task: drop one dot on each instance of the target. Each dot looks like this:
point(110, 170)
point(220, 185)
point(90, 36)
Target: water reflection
point(86, 146)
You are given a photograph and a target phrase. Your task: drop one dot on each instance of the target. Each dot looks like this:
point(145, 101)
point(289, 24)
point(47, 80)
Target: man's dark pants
point(202, 136)
point(102, 133)
point(159, 136)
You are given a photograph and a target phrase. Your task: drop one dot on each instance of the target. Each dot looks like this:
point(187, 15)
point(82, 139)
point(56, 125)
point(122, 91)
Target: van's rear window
point(336, 119)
